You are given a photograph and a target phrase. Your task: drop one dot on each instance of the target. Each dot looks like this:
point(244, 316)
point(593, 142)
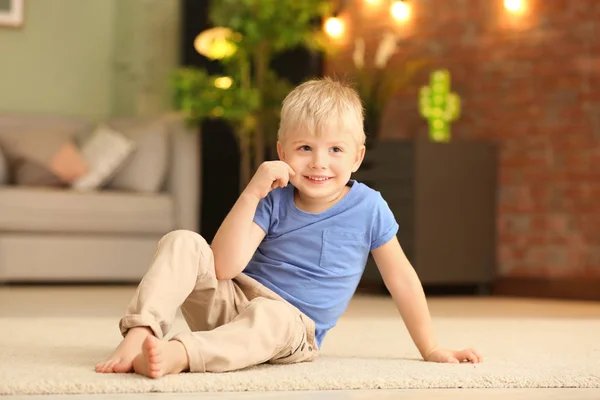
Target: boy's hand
point(453, 356)
point(269, 175)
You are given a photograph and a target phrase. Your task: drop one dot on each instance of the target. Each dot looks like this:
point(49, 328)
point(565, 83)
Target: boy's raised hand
point(454, 356)
point(269, 175)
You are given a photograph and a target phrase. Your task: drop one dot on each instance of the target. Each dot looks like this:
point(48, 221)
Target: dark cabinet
point(443, 196)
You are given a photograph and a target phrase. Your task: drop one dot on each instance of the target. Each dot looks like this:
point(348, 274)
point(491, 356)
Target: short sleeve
point(385, 226)
point(264, 210)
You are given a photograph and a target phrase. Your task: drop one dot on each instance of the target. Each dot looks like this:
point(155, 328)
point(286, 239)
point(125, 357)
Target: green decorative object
point(439, 106)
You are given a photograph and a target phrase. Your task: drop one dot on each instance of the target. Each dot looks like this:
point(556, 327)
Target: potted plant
point(248, 95)
point(377, 83)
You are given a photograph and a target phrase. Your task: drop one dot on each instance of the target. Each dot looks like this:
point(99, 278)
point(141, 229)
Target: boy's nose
point(319, 161)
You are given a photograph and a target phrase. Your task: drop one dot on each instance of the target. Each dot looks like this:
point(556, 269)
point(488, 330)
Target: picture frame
point(11, 13)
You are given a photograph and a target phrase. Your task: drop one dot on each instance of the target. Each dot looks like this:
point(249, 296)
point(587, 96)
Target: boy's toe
point(110, 366)
point(122, 367)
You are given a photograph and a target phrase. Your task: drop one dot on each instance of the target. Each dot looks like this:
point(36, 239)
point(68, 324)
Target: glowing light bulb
point(334, 27)
point(223, 82)
point(400, 10)
point(513, 5)
point(215, 43)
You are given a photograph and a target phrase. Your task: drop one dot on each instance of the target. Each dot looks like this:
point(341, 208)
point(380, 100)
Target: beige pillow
point(65, 166)
point(28, 173)
point(36, 143)
point(146, 169)
point(105, 152)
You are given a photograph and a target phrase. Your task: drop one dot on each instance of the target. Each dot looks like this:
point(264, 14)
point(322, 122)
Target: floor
point(110, 301)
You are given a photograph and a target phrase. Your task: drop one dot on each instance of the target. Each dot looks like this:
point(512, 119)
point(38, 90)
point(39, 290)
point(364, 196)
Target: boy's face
point(323, 165)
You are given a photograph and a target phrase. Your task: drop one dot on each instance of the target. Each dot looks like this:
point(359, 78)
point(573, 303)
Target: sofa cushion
point(75, 258)
point(27, 209)
point(105, 152)
point(146, 169)
point(28, 173)
point(42, 140)
point(67, 163)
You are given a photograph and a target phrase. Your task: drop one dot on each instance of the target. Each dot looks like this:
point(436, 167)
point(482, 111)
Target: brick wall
point(529, 82)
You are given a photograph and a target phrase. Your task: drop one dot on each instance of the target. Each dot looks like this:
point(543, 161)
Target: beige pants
point(235, 323)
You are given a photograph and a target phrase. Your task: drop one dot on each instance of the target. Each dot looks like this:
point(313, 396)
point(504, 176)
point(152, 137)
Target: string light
point(334, 27)
point(513, 5)
point(400, 10)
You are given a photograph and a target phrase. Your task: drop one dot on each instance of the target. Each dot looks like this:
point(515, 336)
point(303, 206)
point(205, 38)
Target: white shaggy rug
point(57, 356)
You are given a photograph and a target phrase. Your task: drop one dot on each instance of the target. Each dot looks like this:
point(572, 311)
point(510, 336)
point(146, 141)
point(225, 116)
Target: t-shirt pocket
point(342, 251)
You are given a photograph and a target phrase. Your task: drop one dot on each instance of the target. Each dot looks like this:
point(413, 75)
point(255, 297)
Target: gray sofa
point(58, 234)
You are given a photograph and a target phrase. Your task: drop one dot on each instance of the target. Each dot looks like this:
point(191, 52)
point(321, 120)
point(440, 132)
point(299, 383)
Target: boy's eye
point(336, 149)
point(304, 148)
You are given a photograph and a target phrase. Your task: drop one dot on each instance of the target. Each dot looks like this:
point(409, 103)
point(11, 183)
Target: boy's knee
point(183, 237)
point(274, 312)
point(182, 233)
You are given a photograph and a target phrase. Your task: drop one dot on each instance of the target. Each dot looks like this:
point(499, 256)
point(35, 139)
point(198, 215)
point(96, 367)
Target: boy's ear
point(360, 156)
point(280, 152)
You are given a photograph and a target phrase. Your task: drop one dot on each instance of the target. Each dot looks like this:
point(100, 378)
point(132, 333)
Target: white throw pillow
point(105, 152)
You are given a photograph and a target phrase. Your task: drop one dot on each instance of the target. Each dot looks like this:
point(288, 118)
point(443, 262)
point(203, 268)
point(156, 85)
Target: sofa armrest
point(184, 176)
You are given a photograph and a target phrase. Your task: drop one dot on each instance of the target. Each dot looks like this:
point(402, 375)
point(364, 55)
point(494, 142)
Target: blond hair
point(321, 105)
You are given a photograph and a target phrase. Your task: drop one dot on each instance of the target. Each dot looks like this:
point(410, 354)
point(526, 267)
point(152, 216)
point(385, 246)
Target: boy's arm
point(405, 287)
point(238, 236)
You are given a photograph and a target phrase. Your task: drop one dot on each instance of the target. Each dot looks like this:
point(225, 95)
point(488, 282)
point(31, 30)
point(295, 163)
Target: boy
point(285, 262)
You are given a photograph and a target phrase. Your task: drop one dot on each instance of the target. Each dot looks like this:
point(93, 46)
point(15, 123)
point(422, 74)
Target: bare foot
point(122, 358)
point(161, 358)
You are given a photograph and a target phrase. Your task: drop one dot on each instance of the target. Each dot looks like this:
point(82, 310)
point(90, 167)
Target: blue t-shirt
point(315, 261)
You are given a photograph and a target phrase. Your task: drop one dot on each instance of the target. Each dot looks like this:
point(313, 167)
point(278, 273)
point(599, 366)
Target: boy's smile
point(323, 166)
point(317, 179)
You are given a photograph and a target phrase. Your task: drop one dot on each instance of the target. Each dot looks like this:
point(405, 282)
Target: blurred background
point(123, 120)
